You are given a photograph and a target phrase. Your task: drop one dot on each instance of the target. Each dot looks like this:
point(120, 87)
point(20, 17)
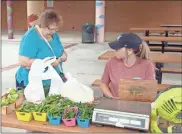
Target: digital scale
point(124, 114)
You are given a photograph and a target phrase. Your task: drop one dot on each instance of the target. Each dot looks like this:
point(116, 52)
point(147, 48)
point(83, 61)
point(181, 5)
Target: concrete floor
point(82, 62)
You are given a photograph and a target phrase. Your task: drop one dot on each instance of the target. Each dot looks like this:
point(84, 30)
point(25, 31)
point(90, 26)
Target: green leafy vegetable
point(86, 111)
point(70, 113)
point(55, 111)
point(27, 107)
point(10, 98)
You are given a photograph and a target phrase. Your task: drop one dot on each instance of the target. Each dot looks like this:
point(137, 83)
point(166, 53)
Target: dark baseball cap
point(127, 40)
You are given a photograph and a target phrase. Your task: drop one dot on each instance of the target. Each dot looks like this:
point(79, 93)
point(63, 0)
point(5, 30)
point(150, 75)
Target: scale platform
point(125, 114)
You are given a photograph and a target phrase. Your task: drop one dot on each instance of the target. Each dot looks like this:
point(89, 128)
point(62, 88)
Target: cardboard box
point(137, 90)
point(11, 107)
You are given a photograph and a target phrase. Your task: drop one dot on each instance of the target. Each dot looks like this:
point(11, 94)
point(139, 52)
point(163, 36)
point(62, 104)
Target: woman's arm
point(105, 82)
point(28, 50)
point(25, 62)
point(150, 72)
point(105, 90)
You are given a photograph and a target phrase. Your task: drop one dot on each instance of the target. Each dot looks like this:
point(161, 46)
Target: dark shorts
point(20, 85)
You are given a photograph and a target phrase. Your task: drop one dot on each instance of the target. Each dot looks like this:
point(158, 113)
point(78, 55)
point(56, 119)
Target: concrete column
point(34, 8)
point(99, 21)
point(9, 4)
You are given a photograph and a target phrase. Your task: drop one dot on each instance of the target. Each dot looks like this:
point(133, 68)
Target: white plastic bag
point(76, 91)
point(34, 91)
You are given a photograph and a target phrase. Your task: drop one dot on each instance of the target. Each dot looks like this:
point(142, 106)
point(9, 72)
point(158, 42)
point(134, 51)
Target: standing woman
point(33, 46)
point(132, 60)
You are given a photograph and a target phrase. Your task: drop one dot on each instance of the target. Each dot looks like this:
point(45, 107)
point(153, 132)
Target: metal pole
point(9, 4)
point(99, 21)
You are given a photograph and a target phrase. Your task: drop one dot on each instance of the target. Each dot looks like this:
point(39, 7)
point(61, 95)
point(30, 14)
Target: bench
point(160, 87)
point(157, 58)
point(164, 41)
point(166, 49)
point(147, 31)
point(167, 25)
point(161, 39)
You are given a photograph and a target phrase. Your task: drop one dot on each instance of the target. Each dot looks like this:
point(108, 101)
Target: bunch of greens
point(86, 111)
point(70, 113)
point(52, 99)
point(10, 98)
point(65, 103)
point(42, 108)
point(55, 110)
point(27, 107)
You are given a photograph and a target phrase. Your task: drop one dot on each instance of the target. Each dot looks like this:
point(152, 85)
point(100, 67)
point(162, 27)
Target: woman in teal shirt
point(33, 46)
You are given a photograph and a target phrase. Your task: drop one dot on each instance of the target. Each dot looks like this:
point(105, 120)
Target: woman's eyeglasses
point(53, 29)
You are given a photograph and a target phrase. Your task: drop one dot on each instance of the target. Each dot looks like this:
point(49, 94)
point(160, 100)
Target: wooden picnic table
point(160, 39)
point(166, 49)
point(12, 122)
point(156, 57)
point(157, 29)
point(164, 41)
point(167, 25)
point(164, 30)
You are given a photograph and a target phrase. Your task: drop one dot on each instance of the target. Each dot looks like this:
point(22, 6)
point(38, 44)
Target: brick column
point(34, 8)
point(9, 4)
point(99, 21)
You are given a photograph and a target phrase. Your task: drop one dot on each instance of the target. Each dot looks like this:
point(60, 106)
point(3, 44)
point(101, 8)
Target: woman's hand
point(63, 57)
point(56, 63)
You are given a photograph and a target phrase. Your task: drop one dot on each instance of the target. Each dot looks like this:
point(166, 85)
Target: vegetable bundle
point(86, 111)
point(10, 98)
point(55, 105)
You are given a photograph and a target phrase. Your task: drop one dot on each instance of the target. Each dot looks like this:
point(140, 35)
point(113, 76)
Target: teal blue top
point(33, 46)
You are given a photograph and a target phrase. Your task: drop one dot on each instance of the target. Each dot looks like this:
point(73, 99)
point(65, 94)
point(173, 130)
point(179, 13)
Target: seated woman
point(132, 60)
point(33, 46)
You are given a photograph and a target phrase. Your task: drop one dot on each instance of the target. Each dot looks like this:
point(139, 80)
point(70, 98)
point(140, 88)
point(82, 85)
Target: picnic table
point(167, 39)
point(147, 31)
point(167, 25)
point(164, 41)
point(12, 122)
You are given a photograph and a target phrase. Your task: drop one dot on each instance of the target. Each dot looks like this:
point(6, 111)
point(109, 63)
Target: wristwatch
point(59, 59)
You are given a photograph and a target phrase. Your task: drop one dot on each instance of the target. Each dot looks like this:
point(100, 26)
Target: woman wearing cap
point(132, 60)
point(33, 46)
